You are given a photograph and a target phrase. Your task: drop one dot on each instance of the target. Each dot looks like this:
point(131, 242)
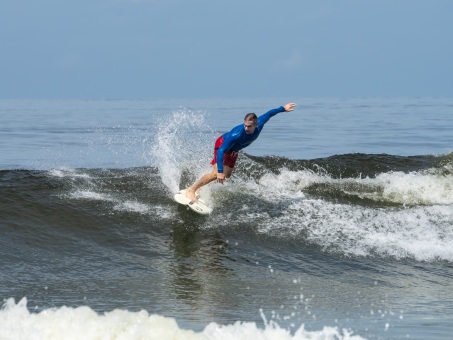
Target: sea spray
point(183, 142)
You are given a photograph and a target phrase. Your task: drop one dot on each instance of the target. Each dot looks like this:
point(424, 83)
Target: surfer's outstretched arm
point(264, 118)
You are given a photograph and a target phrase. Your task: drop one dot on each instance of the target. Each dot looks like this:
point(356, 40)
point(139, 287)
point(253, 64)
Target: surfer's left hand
point(289, 107)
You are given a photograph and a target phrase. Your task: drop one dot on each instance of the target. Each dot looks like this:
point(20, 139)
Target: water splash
point(183, 142)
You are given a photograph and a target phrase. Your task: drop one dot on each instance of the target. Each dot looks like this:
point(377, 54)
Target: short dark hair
point(251, 116)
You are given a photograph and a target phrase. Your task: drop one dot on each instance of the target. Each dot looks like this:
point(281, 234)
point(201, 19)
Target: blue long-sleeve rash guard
point(237, 138)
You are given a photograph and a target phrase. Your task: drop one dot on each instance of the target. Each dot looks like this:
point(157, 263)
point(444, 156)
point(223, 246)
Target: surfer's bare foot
point(190, 193)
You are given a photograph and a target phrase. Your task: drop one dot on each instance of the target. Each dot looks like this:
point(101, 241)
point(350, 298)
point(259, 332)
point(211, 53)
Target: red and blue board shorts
point(229, 157)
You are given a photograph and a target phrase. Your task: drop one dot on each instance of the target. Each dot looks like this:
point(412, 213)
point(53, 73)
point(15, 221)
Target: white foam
point(132, 206)
point(412, 188)
point(83, 323)
point(419, 228)
point(164, 212)
point(425, 187)
point(67, 172)
point(91, 195)
point(423, 233)
point(125, 205)
point(415, 188)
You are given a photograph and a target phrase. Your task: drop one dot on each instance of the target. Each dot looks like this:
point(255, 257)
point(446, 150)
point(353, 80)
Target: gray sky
point(225, 49)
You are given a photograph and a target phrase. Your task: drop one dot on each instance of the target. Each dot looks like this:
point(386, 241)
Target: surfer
point(227, 146)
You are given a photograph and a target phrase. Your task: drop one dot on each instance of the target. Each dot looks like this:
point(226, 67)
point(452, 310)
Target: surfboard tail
point(200, 207)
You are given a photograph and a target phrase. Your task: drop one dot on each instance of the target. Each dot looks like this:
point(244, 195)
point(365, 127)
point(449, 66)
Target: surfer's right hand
point(220, 177)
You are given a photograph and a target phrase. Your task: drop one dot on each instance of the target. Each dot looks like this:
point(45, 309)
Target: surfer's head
point(250, 123)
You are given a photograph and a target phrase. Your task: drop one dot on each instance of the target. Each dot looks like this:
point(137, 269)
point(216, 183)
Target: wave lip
point(360, 178)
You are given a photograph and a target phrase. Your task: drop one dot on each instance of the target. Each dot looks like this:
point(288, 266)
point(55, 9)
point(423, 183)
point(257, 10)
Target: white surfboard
point(200, 207)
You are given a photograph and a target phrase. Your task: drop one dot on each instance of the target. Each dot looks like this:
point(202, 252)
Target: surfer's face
point(250, 125)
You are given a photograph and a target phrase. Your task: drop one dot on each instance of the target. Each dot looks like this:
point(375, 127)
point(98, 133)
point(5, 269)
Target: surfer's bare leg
point(206, 179)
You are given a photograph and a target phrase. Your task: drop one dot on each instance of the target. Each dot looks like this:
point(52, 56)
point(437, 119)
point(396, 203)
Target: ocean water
point(337, 222)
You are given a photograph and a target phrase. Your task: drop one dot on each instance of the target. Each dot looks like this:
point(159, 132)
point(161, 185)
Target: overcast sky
point(144, 49)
